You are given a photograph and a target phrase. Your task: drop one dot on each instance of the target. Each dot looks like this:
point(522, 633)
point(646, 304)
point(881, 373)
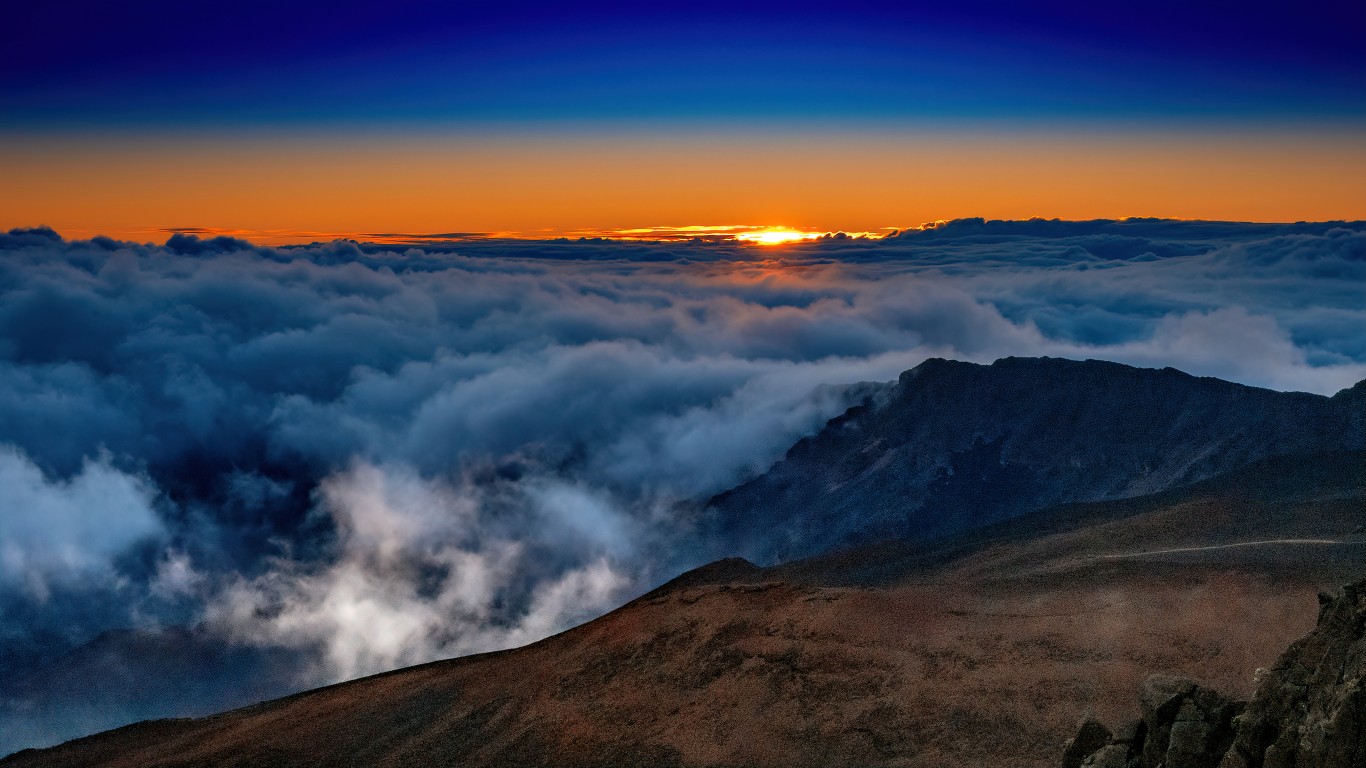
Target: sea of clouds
point(228, 472)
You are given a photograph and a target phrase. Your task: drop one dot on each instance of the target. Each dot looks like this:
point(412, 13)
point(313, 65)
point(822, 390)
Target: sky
point(293, 122)
point(341, 337)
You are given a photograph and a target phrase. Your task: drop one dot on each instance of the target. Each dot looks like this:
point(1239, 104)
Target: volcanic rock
point(1091, 736)
point(1310, 708)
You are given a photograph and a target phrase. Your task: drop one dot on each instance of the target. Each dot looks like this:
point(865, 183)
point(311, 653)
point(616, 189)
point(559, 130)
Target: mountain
point(952, 446)
point(980, 649)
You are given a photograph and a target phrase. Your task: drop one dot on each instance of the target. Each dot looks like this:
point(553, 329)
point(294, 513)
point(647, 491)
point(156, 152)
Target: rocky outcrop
point(1309, 711)
point(1091, 736)
point(1184, 725)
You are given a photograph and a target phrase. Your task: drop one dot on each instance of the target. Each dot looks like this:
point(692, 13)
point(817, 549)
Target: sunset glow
point(777, 236)
point(293, 189)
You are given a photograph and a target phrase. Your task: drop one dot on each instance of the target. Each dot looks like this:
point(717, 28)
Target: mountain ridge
point(952, 445)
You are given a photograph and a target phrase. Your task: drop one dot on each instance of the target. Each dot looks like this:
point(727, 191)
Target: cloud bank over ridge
point(350, 457)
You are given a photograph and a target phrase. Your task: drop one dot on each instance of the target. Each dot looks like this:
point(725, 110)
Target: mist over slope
point(337, 459)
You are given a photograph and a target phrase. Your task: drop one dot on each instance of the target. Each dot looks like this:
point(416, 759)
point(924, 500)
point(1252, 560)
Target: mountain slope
point(953, 446)
point(979, 650)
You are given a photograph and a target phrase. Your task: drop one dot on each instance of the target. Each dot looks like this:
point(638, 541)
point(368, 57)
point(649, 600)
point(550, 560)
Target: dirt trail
point(1262, 543)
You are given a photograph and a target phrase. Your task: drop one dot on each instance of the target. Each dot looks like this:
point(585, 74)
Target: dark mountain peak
point(1039, 379)
point(728, 570)
point(1046, 369)
point(953, 445)
point(1355, 392)
point(934, 365)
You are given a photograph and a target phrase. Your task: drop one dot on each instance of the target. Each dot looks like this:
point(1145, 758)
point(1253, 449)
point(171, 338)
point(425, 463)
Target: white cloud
point(60, 531)
point(420, 574)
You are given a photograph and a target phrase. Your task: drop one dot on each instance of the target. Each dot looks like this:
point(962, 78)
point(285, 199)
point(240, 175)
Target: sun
point(776, 236)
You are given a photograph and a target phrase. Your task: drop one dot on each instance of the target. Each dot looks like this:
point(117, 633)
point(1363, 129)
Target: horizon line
point(767, 235)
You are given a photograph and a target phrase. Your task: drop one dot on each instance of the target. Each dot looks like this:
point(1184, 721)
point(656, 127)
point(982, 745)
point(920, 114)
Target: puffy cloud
point(420, 574)
point(360, 456)
point(67, 529)
point(1234, 344)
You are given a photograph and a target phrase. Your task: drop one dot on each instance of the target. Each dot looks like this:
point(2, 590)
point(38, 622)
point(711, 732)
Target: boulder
point(1161, 697)
point(1091, 736)
point(1187, 725)
point(1109, 756)
point(1184, 725)
point(1202, 731)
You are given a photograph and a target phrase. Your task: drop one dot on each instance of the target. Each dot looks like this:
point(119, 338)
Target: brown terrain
point(982, 650)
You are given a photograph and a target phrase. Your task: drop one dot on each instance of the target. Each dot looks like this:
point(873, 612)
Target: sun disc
point(776, 236)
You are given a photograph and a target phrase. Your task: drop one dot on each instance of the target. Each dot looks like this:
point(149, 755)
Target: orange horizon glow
point(277, 190)
point(723, 233)
point(734, 234)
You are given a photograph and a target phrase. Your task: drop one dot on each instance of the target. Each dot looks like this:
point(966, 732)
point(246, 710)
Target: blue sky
point(84, 64)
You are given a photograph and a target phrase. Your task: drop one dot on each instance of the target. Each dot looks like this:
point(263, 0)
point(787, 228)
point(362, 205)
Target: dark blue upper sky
point(82, 63)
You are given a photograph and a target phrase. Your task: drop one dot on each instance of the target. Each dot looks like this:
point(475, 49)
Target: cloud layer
point(361, 457)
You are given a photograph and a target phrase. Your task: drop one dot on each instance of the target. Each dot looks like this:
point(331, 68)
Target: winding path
point(1263, 542)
